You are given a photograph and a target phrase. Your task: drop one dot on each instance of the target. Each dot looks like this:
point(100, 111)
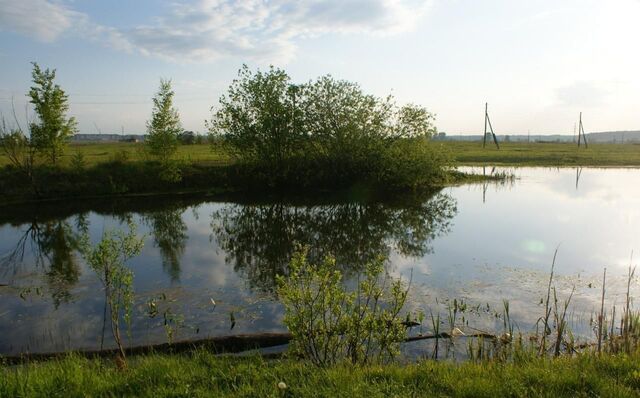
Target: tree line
point(325, 130)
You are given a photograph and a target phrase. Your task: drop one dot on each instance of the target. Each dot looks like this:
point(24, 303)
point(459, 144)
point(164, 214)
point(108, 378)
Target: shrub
point(326, 130)
point(412, 164)
point(108, 259)
point(330, 323)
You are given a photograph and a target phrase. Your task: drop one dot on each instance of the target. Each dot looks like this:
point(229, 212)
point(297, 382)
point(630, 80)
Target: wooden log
point(219, 345)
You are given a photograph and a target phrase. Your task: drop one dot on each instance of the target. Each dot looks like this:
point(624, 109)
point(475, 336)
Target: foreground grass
point(545, 154)
point(203, 374)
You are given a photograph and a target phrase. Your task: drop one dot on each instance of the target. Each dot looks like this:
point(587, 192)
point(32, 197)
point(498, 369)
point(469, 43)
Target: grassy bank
point(545, 154)
point(203, 374)
point(124, 169)
point(118, 169)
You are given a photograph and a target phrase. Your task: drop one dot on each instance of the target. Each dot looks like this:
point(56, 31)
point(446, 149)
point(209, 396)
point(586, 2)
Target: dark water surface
point(479, 243)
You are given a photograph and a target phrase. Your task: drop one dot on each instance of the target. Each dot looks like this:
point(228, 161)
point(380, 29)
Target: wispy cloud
point(40, 19)
point(207, 30)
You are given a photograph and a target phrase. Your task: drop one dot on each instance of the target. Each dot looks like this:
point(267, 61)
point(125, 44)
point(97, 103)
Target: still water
point(479, 243)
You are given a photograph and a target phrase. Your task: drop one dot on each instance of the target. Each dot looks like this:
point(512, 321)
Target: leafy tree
point(331, 324)
point(256, 117)
point(164, 127)
point(326, 132)
point(49, 134)
point(414, 121)
point(343, 120)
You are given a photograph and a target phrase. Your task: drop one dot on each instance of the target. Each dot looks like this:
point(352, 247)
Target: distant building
point(107, 138)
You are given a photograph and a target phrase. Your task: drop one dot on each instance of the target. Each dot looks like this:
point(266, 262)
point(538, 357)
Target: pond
point(479, 244)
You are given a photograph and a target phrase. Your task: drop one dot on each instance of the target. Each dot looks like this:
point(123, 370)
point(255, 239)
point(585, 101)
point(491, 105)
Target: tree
point(49, 134)
point(256, 117)
point(164, 127)
point(187, 138)
point(413, 121)
point(345, 123)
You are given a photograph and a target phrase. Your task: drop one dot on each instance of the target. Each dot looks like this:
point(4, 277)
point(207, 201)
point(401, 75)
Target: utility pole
point(581, 133)
point(488, 121)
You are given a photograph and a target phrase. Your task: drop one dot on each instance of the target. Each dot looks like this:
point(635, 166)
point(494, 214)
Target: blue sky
point(537, 62)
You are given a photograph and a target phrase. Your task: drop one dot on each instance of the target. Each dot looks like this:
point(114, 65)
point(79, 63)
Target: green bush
point(413, 163)
point(325, 133)
point(331, 323)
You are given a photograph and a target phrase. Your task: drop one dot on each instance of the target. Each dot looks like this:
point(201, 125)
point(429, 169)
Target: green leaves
point(49, 134)
point(164, 128)
point(331, 323)
point(326, 128)
point(108, 259)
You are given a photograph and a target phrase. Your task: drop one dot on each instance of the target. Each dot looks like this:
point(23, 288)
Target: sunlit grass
point(95, 153)
point(545, 154)
point(465, 153)
point(203, 374)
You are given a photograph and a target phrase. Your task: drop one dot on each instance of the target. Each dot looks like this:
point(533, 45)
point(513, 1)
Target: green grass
point(96, 153)
point(465, 153)
point(203, 374)
point(545, 154)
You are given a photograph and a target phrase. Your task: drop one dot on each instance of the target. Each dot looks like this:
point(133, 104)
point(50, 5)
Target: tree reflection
point(260, 239)
point(170, 236)
point(53, 246)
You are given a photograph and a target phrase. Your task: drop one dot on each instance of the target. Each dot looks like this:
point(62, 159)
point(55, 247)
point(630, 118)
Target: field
point(465, 153)
point(545, 154)
point(95, 153)
point(203, 374)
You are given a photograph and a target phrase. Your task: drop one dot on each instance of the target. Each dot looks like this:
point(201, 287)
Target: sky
point(538, 63)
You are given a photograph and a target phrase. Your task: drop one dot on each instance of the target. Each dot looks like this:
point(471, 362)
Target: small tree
point(330, 323)
point(414, 121)
point(257, 118)
point(164, 127)
point(108, 259)
point(49, 134)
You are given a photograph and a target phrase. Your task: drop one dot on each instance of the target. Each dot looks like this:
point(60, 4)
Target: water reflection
point(169, 233)
point(52, 245)
point(258, 240)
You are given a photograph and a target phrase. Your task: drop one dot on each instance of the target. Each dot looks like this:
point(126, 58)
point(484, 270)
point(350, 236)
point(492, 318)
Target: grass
point(203, 374)
point(465, 153)
point(97, 153)
point(544, 154)
point(100, 153)
point(124, 169)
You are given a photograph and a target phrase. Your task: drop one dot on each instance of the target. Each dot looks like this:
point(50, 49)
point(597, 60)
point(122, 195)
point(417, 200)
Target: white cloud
point(40, 19)
point(206, 30)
